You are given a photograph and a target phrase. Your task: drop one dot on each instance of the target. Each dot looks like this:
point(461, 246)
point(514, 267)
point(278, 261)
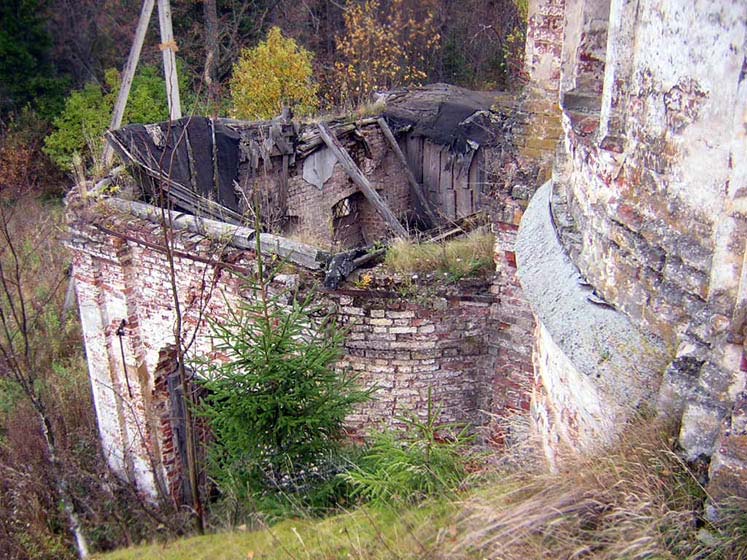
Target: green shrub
point(426, 459)
point(277, 407)
point(88, 112)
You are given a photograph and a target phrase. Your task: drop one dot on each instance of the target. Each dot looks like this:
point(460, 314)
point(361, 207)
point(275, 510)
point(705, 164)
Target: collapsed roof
point(199, 162)
point(448, 115)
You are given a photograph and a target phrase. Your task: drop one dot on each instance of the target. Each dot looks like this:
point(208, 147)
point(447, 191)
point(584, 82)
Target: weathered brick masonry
point(459, 342)
point(469, 344)
point(405, 347)
point(310, 207)
point(632, 256)
point(649, 203)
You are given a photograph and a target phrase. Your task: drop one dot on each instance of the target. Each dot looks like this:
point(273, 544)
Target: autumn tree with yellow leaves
point(385, 46)
point(275, 73)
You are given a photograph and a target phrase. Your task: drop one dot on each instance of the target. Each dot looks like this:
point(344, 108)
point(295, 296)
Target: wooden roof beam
point(354, 172)
point(416, 187)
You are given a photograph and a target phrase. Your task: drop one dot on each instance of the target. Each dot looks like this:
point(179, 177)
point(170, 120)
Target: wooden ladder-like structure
point(168, 48)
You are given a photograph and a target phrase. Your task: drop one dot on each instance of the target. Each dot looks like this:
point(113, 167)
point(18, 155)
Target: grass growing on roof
point(459, 258)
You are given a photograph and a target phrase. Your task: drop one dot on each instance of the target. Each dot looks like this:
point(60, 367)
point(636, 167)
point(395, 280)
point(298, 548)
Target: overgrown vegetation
point(370, 534)
point(277, 406)
point(469, 256)
point(635, 500)
point(79, 128)
point(425, 459)
point(53, 474)
point(24, 168)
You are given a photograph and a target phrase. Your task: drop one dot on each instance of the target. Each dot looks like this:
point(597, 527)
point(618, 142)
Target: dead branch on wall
point(169, 234)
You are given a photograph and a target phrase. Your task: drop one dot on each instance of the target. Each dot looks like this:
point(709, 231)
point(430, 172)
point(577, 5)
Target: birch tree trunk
point(63, 488)
point(19, 340)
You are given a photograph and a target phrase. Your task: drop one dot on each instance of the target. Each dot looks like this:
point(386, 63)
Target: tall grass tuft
point(636, 500)
point(428, 459)
point(459, 258)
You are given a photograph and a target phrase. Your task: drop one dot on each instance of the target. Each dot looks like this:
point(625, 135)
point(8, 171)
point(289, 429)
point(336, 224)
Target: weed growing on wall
point(277, 406)
point(456, 259)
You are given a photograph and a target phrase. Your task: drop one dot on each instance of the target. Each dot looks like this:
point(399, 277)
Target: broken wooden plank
point(476, 179)
point(432, 172)
point(414, 185)
point(310, 139)
point(361, 181)
point(446, 185)
point(295, 252)
point(415, 156)
point(343, 264)
point(464, 204)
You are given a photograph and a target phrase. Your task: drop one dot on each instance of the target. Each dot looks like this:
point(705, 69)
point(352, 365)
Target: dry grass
point(468, 256)
point(636, 501)
point(348, 113)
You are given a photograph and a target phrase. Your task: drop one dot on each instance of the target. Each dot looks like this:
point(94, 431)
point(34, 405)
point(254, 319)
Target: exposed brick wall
point(658, 230)
point(170, 456)
point(414, 337)
point(522, 163)
point(544, 44)
point(459, 341)
point(407, 346)
point(126, 276)
point(470, 344)
point(312, 207)
point(513, 326)
point(651, 207)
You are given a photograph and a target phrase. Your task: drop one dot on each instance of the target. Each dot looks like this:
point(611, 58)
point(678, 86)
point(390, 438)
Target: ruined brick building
point(629, 144)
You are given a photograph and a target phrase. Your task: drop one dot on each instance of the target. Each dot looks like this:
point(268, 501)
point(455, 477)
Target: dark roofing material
point(166, 151)
point(445, 114)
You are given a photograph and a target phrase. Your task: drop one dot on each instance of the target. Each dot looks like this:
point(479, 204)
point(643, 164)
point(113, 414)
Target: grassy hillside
point(364, 533)
point(636, 500)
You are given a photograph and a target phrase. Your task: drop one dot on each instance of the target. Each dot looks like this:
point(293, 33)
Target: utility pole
point(169, 48)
